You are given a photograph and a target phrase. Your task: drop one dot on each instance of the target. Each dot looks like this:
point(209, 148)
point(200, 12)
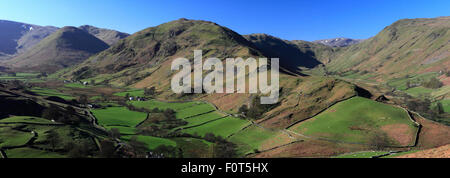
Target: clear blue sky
point(292, 20)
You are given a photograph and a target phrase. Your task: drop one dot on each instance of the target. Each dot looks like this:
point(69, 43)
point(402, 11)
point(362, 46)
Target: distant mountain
point(16, 37)
point(64, 48)
point(339, 42)
point(292, 54)
point(110, 37)
point(409, 46)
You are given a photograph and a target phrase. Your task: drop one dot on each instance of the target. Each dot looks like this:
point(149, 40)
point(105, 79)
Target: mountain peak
point(66, 47)
point(339, 42)
point(108, 36)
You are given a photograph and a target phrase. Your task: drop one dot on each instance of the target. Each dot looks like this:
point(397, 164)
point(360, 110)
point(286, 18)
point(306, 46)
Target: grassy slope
point(10, 137)
point(31, 153)
point(152, 142)
point(26, 119)
point(115, 116)
point(355, 120)
point(223, 127)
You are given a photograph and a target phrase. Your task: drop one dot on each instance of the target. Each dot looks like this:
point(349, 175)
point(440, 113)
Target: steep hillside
point(16, 37)
point(64, 48)
point(410, 46)
point(291, 55)
point(339, 42)
point(140, 52)
point(108, 36)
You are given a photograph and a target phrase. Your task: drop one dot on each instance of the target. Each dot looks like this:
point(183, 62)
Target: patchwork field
point(51, 92)
point(256, 138)
point(32, 153)
point(135, 93)
point(222, 127)
point(10, 137)
point(152, 142)
point(118, 116)
point(345, 122)
point(29, 77)
point(26, 119)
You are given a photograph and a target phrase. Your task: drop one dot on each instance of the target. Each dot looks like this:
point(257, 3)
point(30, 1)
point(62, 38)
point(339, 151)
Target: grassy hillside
point(409, 46)
point(346, 122)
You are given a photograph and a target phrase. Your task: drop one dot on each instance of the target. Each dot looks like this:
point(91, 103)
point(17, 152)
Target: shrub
point(433, 83)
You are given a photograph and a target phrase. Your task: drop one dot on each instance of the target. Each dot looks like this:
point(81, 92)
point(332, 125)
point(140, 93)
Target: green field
point(400, 83)
point(31, 77)
point(26, 119)
point(152, 142)
point(223, 127)
point(418, 91)
point(10, 137)
point(51, 92)
point(123, 130)
point(118, 116)
point(368, 154)
point(251, 138)
point(183, 110)
point(194, 148)
point(355, 120)
point(135, 93)
point(151, 104)
point(75, 85)
point(200, 119)
point(446, 105)
point(31, 153)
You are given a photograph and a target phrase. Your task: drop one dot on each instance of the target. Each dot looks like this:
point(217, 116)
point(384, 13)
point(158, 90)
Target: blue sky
point(292, 20)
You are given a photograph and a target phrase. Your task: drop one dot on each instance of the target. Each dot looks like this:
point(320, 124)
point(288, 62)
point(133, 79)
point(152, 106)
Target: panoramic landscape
point(95, 92)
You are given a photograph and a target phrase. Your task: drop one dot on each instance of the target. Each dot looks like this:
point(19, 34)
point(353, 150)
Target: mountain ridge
point(66, 47)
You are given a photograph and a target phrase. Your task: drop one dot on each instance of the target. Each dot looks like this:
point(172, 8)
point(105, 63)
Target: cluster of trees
point(256, 109)
point(433, 83)
point(80, 148)
point(160, 122)
point(42, 74)
point(150, 92)
point(222, 148)
point(67, 115)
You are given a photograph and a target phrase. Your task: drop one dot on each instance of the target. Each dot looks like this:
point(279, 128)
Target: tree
point(53, 138)
point(108, 149)
point(115, 133)
point(77, 150)
point(408, 84)
point(440, 108)
point(433, 83)
point(170, 114)
point(150, 91)
point(51, 113)
point(127, 96)
point(139, 148)
point(70, 110)
point(83, 99)
point(243, 110)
